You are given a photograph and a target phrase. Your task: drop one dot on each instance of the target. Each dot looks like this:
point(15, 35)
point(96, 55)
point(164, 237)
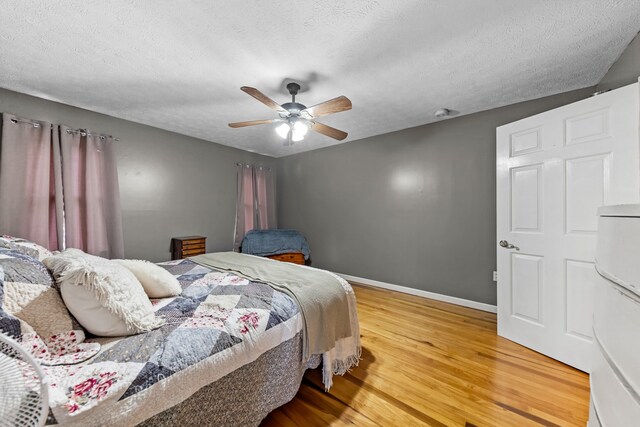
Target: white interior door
point(553, 171)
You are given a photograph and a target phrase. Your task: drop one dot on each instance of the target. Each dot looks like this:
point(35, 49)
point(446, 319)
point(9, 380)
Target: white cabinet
point(615, 375)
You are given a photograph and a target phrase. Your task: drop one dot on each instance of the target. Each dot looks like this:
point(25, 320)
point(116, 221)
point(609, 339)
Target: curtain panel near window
point(28, 184)
point(265, 197)
point(91, 194)
point(59, 187)
point(255, 205)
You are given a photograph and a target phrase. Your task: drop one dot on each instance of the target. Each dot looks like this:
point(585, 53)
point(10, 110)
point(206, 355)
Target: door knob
point(508, 245)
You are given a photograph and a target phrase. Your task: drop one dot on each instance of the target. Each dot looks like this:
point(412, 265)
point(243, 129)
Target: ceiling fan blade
point(335, 105)
point(264, 99)
point(329, 131)
point(251, 123)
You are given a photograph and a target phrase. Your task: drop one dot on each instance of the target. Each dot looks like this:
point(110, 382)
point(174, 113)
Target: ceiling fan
point(295, 118)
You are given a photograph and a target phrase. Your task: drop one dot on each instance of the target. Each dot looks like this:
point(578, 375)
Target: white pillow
point(79, 253)
point(90, 313)
point(58, 260)
point(104, 296)
point(156, 281)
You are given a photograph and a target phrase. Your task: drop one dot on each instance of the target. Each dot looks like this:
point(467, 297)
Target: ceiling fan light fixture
point(296, 120)
point(300, 127)
point(283, 130)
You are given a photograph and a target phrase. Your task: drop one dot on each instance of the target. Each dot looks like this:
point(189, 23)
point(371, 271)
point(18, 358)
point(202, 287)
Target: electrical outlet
point(495, 276)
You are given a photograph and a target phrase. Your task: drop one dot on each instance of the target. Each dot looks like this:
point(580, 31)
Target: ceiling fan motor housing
point(293, 107)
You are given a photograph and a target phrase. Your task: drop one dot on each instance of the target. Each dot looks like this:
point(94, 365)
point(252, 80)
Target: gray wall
point(170, 184)
point(625, 70)
point(415, 208)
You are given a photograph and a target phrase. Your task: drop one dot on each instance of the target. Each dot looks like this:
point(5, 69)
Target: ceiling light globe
point(283, 130)
point(301, 128)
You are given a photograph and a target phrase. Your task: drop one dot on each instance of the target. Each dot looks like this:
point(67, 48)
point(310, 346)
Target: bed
point(231, 351)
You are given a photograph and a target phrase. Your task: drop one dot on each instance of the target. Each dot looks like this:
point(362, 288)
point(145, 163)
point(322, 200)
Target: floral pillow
point(26, 247)
point(30, 294)
point(66, 347)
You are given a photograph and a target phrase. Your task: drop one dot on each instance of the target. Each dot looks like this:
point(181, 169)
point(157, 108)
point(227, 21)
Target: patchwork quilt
point(219, 323)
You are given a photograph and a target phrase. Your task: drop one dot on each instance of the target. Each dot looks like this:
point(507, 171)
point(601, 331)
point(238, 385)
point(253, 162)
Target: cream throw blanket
point(326, 301)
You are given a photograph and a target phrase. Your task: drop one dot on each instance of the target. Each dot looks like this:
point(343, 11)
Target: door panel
point(553, 171)
point(527, 287)
point(526, 198)
point(590, 126)
point(587, 188)
point(580, 282)
point(526, 141)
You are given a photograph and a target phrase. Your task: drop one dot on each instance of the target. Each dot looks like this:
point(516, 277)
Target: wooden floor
point(426, 362)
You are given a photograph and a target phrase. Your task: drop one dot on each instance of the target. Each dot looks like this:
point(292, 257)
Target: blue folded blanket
point(274, 242)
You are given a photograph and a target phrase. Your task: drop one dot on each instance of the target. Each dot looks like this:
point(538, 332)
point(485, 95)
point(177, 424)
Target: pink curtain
point(92, 214)
point(265, 197)
point(244, 204)
point(28, 183)
point(255, 205)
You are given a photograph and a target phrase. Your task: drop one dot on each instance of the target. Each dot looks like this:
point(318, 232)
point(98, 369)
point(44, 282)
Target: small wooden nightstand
point(182, 247)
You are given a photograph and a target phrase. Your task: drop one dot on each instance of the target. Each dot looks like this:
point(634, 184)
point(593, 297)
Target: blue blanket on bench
point(274, 242)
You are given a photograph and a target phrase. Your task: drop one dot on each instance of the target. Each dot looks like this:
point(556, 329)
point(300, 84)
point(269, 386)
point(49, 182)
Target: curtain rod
point(29, 122)
point(249, 164)
point(82, 132)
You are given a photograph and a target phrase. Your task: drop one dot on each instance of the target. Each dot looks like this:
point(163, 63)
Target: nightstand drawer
point(294, 257)
point(191, 252)
point(195, 245)
point(182, 247)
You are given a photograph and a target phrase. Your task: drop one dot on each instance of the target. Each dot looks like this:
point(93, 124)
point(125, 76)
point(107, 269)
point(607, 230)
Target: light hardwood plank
point(430, 363)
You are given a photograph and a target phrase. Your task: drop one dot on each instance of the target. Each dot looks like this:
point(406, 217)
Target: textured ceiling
point(179, 65)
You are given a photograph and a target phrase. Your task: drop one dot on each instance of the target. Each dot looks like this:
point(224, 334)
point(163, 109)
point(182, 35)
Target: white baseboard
point(426, 294)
